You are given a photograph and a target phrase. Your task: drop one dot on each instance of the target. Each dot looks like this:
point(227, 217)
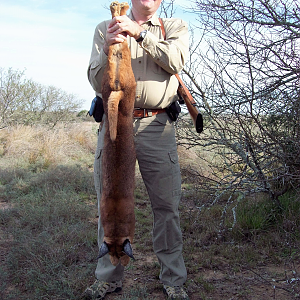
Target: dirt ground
point(262, 283)
point(267, 281)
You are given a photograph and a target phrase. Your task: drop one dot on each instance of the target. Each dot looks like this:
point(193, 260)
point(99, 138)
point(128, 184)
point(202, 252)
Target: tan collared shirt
point(153, 61)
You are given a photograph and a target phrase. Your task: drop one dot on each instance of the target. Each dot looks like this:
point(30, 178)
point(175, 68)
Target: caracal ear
point(127, 248)
point(103, 250)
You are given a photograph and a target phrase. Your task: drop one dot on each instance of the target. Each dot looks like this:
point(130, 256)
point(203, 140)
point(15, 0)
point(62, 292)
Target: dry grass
point(36, 145)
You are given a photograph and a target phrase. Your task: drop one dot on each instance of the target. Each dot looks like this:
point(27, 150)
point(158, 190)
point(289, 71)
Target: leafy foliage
point(23, 101)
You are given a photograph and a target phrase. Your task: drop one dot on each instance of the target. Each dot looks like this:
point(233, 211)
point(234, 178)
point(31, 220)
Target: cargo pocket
point(176, 176)
point(97, 162)
point(97, 172)
point(98, 159)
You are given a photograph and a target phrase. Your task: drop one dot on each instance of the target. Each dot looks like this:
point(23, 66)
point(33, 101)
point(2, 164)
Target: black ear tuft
point(103, 250)
point(127, 248)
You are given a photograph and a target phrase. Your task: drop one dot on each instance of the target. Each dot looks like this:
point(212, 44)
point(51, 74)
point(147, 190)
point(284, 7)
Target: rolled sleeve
point(170, 54)
point(98, 58)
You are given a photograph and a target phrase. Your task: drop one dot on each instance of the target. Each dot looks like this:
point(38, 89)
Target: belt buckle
point(146, 113)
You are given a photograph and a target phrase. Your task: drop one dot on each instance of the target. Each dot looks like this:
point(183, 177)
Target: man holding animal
point(154, 59)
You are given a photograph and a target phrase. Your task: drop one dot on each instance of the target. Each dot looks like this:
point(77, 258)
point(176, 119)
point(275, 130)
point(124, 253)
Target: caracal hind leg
point(115, 9)
point(124, 7)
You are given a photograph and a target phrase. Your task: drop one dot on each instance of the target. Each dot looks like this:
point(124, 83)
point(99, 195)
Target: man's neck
point(141, 18)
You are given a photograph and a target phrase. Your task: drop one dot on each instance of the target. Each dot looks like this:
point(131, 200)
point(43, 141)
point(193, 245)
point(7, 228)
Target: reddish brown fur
point(117, 201)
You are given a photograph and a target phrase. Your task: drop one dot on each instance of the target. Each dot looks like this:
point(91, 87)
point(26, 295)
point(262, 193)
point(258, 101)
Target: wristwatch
point(142, 36)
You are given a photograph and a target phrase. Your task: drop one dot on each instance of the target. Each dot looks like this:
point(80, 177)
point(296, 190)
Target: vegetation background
point(240, 208)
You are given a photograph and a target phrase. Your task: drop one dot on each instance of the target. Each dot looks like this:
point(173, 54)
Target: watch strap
point(142, 36)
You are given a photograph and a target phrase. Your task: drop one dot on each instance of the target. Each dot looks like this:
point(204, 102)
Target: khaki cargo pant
point(158, 162)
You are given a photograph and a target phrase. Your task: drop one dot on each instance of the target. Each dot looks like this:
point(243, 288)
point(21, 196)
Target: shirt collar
point(154, 20)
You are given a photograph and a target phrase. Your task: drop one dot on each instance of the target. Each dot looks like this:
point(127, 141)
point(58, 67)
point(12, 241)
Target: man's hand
point(118, 29)
point(122, 24)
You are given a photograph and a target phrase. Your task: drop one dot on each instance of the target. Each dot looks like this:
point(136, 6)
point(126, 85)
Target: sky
point(51, 40)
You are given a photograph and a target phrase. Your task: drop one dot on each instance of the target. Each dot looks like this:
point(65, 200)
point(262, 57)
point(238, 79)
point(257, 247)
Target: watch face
point(142, 36)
